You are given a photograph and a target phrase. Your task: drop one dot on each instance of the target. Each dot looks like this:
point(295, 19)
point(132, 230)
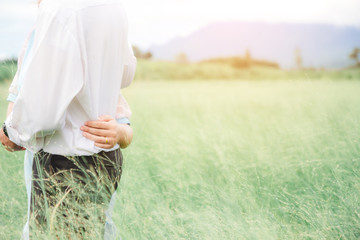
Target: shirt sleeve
point(52, 80)
point(129, 67)
point(13, 90)
point(14, 87)
point(123, 121)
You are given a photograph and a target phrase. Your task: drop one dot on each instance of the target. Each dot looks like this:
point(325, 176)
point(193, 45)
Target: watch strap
point(5, 130)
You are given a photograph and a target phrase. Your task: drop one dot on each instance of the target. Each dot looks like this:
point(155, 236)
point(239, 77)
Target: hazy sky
point(157, 21)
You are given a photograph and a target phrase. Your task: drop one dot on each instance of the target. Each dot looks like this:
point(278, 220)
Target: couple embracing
point(66, 111)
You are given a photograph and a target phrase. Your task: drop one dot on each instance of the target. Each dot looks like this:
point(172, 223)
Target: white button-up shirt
point(79, 60)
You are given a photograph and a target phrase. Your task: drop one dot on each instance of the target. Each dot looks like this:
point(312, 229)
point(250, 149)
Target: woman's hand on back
point(107, 132)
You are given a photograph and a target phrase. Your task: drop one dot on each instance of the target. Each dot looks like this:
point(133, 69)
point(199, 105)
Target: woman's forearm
point(125, 135)
point(10, 108)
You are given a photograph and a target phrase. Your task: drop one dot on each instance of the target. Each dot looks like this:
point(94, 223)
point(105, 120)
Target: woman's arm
point(10, 107)
point(41, 105)
point(107, 132)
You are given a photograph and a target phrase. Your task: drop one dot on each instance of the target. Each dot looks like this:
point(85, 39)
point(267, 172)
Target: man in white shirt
point(73, 74)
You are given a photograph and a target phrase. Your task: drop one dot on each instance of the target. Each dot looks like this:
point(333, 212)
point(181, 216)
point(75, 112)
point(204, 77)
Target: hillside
point(169, 71)
point(321, 45)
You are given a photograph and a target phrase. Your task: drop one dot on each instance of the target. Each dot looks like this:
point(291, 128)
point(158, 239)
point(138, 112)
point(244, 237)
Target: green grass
point(7, 70)
point(229, 160)
point(157, 70)
point(170, 71)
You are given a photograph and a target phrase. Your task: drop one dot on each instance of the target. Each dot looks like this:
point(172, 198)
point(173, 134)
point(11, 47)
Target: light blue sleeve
point(123, 121)
point(12, 97)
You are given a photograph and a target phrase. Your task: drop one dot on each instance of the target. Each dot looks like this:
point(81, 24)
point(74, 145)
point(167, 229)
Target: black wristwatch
point(5, 131)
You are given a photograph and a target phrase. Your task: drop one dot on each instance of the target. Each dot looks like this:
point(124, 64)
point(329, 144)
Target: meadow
point(213, 71)
point(228, 160)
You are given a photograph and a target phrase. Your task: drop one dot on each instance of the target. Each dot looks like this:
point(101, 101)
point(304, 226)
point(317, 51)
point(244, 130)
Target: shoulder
point(55, 10)
point(65, 10)
point(57, 17)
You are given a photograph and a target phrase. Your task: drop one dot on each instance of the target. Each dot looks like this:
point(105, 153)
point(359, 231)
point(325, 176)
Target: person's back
point(83, 45)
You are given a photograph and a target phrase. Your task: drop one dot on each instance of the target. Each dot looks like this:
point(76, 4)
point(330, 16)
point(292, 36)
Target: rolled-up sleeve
point(51, 81)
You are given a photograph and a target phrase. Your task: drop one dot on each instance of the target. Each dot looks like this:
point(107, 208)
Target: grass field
point(229, 160)
point(151, 70)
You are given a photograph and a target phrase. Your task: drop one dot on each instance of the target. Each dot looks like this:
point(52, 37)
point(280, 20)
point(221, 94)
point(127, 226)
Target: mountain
point(320, 45)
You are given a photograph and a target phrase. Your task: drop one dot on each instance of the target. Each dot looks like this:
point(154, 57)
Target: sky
point(158, 21)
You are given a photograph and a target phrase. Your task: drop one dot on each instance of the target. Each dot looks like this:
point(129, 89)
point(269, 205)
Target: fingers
point(97, 124)
point(9, 149)
point(106, 118)
point(17, 148)
point(100, 124)
point(98, 139)
point(103, 131)
point(106, 146)
point(102, 142)
point(96, 131)
point(10, 146)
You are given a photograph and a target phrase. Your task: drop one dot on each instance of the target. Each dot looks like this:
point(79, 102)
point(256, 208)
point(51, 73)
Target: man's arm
point(51, 81)
point(15, 85)
point(129, 67)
